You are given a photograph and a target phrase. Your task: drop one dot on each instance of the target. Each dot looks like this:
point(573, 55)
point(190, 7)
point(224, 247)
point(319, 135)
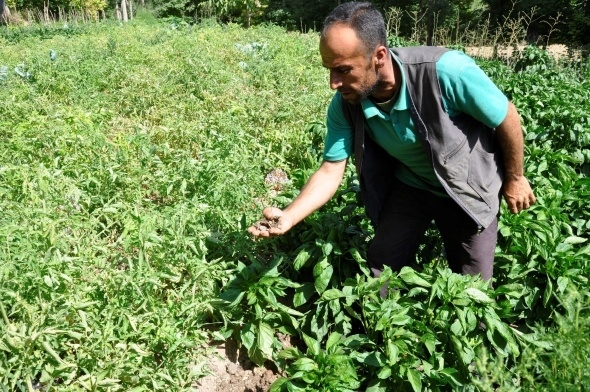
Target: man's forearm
point(516, 188)
point(320, 187)
point(512, 144)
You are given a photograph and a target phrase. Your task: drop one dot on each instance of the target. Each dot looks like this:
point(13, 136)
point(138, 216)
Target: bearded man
point(433, 140)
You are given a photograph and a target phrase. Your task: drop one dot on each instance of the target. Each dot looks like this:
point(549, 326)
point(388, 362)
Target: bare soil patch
point(232, 371)
point(557, 51)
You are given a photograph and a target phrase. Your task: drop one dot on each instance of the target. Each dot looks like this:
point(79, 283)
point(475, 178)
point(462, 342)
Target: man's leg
point(404, 219)
point(469, 250)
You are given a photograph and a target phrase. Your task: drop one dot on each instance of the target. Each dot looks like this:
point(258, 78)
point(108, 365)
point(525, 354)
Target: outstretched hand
point(518, 194)
point(274, 223)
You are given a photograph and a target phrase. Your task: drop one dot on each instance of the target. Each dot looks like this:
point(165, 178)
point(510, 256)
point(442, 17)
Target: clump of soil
point(267, 224)
point(232, 371)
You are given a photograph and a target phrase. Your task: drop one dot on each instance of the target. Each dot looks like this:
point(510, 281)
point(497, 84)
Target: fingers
point(272, 213)
point(273, 224)
point(258, 233)
point(515, 205)
point(519, 195)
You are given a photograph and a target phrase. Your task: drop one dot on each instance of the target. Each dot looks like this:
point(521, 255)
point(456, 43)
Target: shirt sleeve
point(466, 88)
point(339, 142)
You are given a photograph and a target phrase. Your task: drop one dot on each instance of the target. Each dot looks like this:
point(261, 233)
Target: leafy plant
point(326, 370)
point(259, 287)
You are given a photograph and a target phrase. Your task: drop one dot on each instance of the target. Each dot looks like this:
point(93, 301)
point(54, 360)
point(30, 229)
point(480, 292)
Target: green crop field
point(133, 158)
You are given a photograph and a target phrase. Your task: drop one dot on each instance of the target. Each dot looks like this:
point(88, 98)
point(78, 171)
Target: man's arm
point(320, 187)
point(516, 188)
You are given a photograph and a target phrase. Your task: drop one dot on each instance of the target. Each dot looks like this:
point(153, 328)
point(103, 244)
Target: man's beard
point(364, 93)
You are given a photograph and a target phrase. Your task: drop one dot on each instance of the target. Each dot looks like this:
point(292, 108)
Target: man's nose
point(335, 80)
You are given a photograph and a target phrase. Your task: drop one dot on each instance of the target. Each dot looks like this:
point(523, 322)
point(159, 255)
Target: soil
point(557, 51)
point(232, 371)
point(266, 224)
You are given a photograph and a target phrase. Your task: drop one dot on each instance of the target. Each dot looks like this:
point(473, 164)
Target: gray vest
point(462, 150)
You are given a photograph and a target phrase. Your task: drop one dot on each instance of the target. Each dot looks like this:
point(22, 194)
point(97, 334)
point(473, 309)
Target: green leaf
point(265, 337)
point(331, 294)
point(48, 281)
point(562, 283)
point(414, 379)
point(277, 385)
point(584, 251)
point(400, 318)
point(302, 257)
point(322, 273)
point(375, 359)
point(377, 386)
point(361, 262)
point(462, 349)
point(384, 373)
point(548, 292)
point(452, 375)
point(305, 364)
point(247, 336)
point(478, 296)
point(456, 328)
point(333, 340)
point(574, 240)
point(392, 352)
point(533, 339)
point(327, 248)
point(303, 294)
point(408, 275)
point(430, 342)
point(312, 344)
point(290, 353)
point(234, 296)
point(494, 323)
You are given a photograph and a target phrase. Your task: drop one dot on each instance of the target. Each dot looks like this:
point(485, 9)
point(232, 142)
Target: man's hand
point(518, 194)
point(274, 223)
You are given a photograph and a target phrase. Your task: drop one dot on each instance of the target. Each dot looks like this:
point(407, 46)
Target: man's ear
point(380, 56)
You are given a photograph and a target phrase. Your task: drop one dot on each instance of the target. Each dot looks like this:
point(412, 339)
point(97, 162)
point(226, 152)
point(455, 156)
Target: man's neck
point(390, 83)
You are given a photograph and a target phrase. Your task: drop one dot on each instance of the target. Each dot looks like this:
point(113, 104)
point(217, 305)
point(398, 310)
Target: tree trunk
point(118, 11)
point(124, 10)
point(46, 12)
point(130, 9)
point(2, 5)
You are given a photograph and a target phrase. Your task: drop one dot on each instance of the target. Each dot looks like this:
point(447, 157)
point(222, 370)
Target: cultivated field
point(132, 159)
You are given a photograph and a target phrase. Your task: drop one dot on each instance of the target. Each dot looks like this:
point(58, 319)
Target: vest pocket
point(484, 176)
point(456, 163)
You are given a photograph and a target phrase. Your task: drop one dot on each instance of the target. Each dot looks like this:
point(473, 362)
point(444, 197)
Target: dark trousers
point(405, 217)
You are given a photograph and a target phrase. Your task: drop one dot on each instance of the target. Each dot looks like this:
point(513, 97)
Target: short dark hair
point(364, 19)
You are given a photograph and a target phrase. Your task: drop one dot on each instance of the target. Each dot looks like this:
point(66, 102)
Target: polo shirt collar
point(371, 110)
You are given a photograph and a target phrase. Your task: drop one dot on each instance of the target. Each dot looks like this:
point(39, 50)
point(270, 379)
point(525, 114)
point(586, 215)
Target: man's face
point(352, 72)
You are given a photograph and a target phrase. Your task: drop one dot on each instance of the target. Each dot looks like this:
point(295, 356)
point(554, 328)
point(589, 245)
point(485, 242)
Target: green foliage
point(260, 288)
point(326, 370)
point(19, 34)
point(117, 195)
point(132, 160)
point(533, 59)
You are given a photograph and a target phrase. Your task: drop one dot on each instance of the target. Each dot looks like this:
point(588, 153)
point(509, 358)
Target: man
point(433, 139)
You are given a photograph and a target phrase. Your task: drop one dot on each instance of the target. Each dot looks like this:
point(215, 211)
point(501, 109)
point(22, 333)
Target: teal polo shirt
point(465, 88)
